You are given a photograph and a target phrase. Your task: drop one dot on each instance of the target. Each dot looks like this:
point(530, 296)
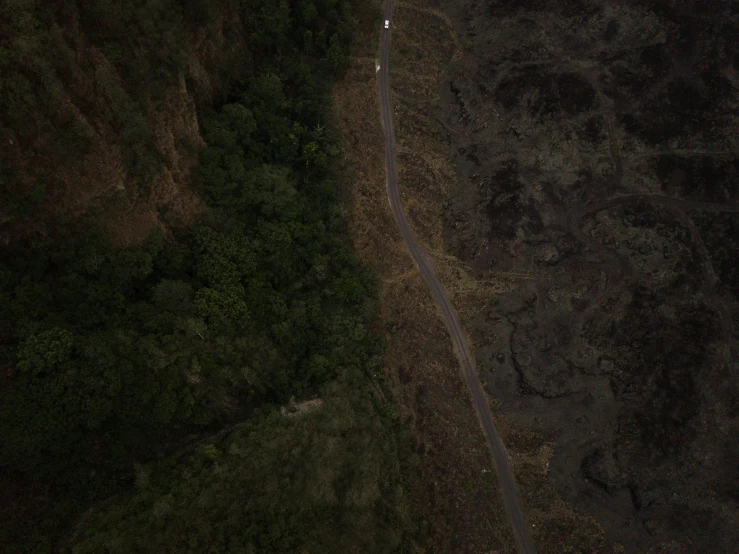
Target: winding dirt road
point(505, 474)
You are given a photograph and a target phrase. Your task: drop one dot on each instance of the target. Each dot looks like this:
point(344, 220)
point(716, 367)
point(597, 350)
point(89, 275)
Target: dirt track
point(502, 464)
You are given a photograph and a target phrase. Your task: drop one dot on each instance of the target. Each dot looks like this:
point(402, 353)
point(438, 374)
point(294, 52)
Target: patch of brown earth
point(79, 164)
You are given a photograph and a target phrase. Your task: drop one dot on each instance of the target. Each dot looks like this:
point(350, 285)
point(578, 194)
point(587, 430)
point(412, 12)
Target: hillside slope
point(175, 265)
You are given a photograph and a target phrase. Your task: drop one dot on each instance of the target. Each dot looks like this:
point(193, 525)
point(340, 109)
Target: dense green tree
point(318, 482)
point(117, 353)
point(44, 352)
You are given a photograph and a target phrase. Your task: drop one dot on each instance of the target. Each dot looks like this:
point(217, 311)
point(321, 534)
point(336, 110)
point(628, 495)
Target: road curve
point(505, 474)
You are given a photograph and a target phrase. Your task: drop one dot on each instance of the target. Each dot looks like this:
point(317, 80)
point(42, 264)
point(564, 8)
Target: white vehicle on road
point(387, 24)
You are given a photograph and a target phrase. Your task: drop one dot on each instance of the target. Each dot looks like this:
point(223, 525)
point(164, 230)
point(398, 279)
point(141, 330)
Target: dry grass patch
point(428, 179)
point(455, 502)
point(454, 492)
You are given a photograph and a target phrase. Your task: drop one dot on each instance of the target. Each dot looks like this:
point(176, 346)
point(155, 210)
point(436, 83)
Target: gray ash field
point(597, 144)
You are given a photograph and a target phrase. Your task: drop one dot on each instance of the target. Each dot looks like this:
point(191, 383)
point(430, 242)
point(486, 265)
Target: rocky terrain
point(106, 127)
point(597, 151)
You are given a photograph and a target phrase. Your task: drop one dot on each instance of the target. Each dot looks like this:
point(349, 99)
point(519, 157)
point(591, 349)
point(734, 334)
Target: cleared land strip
point(503, 467)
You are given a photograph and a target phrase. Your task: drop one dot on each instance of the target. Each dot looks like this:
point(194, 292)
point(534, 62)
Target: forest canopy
point(117, 356)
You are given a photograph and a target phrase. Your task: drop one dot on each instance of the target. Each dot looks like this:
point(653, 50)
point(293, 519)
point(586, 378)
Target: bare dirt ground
point(596, 146)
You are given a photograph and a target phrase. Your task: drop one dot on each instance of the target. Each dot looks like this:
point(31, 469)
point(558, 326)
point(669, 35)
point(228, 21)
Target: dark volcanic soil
point(598, 142)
